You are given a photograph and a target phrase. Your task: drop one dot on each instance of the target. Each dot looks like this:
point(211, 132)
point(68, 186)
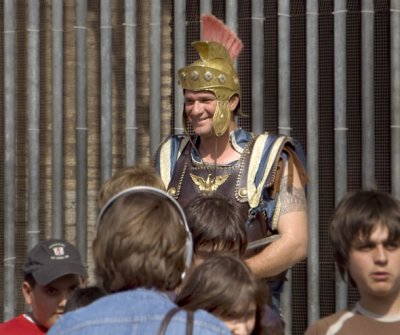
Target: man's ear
point(233, 102)
point(27, 291)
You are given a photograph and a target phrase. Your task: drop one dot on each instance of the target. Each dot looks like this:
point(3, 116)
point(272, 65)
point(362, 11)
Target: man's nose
point(197, 107)
point(380, 254)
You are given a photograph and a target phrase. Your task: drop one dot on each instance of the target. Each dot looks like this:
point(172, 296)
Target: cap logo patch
point(58, 252)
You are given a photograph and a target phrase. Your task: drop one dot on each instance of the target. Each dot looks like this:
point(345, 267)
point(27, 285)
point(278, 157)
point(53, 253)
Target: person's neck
point(382, 306)
point(218, 150)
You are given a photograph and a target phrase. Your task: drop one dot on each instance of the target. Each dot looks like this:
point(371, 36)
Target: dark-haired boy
point(365, 234)
point(52, 271)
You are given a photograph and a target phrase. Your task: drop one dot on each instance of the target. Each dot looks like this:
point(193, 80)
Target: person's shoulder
point(20, 325)
point(205, 323)
point(178, 138)
point(10, 326)
point(270, 138)
point(268, 146)
point(171, 145)
point(321, 326)
point(145, 309)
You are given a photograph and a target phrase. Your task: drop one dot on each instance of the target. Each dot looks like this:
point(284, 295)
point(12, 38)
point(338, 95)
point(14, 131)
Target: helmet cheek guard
point(221, 117)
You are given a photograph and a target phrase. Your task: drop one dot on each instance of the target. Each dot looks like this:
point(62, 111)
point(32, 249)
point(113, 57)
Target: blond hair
point(128, 177)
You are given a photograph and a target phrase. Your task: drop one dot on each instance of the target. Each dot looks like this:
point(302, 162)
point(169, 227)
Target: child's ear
point(83, 281)
point(27, 291)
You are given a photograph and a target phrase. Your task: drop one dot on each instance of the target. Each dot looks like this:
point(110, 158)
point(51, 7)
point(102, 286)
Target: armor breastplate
point(191, 179)
point(205, 179)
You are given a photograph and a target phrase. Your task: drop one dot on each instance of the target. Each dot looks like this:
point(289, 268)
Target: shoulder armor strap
point(263, 162)
point(169, 153)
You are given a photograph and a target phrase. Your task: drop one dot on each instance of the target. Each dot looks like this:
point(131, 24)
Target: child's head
point(356, 218)
point(52, 271)
point(84, 296)
point(224, 286)
point(142, 241)
point(216, 226)
point(126, 177)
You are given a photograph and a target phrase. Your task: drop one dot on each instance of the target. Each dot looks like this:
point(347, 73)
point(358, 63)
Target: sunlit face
point(242, 326)
point(48, 301)
point(199, 108)
point(374, 265)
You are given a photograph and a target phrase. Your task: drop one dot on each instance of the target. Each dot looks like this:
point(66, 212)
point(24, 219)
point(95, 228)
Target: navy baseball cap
point(52, 259)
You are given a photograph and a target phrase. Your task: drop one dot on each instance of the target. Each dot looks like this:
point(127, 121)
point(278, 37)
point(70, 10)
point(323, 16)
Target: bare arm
point(291, 247)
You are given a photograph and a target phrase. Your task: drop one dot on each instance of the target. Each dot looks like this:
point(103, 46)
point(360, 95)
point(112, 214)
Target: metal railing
point(177, 12)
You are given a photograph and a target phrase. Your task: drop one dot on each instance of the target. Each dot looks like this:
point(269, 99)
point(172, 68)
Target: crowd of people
point(201, 242)
point(188, 271)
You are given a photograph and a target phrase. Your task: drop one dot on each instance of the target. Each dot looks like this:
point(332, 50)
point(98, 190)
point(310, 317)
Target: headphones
point(163, 195)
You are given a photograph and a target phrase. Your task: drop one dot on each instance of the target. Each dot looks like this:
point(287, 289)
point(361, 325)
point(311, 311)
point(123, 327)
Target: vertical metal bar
point(284, 124)
point(367, 97)
point(106, 90)
point(81, 127)
point(312, 160)
point(284, 66)
point(9, 158)
point(205, 7)
point(179, 59)
point(231, 13)
point(257, 66)
point(33, 122)
point(231, 19)
point(130, 82)
point(339, 13)
point(395, 93)
point(155, 75)
point(58, 111)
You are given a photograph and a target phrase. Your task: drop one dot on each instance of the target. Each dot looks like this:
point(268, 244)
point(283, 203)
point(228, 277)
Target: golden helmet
point(215, 70)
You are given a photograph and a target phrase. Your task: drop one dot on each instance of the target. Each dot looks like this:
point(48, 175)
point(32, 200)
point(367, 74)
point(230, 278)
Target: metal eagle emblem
point(210, 185)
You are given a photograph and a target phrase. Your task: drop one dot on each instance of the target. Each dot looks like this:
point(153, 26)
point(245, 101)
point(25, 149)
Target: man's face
point(374, 265)
point(48, 301)
point(199, 108)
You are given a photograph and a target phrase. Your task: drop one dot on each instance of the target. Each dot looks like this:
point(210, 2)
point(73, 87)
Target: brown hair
point(355, 217)
point(140, 242)
point(224, 286)
point(126, 177)
point(216, 225)
point(30, 280)
point(84, 296)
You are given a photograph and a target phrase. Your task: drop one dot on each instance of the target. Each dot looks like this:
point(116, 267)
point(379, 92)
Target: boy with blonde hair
point(126, 177)
point(141, 250)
